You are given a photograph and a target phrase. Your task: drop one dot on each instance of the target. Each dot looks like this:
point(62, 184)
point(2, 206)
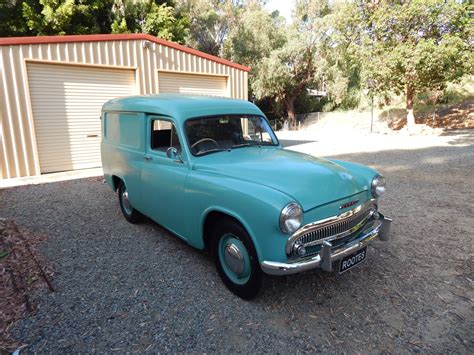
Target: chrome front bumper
point(380, 228)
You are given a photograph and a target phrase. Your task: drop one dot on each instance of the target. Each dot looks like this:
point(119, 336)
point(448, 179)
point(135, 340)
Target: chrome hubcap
point(126, 203)
point(234, 258)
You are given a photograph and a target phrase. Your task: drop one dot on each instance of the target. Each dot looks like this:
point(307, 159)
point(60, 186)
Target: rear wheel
point(130, 214)
point(236, 259)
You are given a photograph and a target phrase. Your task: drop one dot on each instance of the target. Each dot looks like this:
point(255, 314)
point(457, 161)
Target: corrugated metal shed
point(52, 89)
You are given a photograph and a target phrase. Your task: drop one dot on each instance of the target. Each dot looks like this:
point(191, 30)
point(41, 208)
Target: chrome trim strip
point(327, 256)
point(307, 228)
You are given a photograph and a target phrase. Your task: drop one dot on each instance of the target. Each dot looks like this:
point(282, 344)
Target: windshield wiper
point(244, 145)
point(215, 150)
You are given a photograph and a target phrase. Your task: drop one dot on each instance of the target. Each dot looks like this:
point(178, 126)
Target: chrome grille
point(337, 229)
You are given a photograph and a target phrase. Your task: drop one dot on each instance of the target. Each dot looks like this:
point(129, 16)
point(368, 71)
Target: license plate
point(352, 260)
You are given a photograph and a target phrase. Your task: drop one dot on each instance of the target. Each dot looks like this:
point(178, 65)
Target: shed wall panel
point(18, 146)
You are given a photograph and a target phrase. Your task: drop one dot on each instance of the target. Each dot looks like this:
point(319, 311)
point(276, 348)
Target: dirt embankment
point(459, 116)
point(456, 116)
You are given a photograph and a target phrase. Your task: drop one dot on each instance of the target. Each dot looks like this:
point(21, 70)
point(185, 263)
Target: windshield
point(217, 133)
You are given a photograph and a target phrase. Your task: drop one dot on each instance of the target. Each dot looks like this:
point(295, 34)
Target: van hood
point(308, 180)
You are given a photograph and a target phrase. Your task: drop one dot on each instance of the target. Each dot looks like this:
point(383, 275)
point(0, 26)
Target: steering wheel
point(204, 140)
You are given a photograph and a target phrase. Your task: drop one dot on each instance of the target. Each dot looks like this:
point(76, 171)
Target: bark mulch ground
point(23, 270)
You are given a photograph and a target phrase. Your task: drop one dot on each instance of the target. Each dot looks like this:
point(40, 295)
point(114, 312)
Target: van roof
point(181, 107)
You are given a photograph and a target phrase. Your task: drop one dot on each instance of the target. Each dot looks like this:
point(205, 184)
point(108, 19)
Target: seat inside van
point(163, 139)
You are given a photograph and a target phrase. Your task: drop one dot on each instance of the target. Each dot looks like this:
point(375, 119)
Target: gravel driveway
point(123, 287)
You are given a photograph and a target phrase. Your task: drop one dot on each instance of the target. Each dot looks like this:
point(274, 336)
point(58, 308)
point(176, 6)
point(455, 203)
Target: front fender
point(255, 206)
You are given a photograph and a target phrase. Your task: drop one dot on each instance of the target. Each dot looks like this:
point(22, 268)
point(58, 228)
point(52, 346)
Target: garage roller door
point(193, 84)
point(66, 102)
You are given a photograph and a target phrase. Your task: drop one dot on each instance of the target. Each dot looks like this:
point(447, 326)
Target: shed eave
point(10, 41)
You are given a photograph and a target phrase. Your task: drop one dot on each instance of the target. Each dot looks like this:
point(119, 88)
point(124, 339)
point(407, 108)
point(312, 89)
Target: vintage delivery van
point(212, 171)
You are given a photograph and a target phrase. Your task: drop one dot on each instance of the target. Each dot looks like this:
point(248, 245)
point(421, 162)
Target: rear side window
point(123, 129)
point(163, 136)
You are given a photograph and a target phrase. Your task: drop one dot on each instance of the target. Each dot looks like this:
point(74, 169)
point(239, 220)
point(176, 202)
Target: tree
point(285, 74)
point(53, 17)
point(210, 22)
point(254, 35)
point(148, 16)
point(410, 46)
point(59, 17)
point(300, 62)
point(342, 71)
point(11, 19)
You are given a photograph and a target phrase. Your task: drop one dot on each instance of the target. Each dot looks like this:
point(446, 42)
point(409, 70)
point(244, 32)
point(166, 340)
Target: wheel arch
point(213, 215)
point(116, 180)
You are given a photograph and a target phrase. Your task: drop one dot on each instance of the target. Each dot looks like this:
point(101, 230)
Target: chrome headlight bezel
point(378, 186)
point(291, 217)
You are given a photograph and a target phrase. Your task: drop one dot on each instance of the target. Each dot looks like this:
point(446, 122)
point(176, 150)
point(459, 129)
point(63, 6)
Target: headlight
point(378, 186)
point(291, 217)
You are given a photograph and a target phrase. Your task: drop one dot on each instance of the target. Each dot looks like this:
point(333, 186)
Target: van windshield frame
point(217, 133)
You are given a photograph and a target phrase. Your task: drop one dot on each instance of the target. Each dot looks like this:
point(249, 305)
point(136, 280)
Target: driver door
point(163, 178)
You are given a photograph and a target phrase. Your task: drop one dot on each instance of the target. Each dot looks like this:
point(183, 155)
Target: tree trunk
point(410, 115)
point(290, 110)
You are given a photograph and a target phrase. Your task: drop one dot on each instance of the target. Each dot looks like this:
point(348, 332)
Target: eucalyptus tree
point(210, 22)
point(298, 62)
point(410, 46)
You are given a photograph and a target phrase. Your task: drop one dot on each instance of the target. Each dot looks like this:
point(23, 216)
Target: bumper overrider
point(378, 227)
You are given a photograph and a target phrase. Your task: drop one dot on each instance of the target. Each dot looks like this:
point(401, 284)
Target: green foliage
point(11, 19)
point(59, 17)
point(98, 18)
point(54, 18)
point(312, 55)
point(254, 35)
point(457, 92)
point(298, 62)
point(306, 104)
point(149, 17)
point(120, 26)
point(209, 22)
point(412, 48)
point(286, 71)
point(415, 45)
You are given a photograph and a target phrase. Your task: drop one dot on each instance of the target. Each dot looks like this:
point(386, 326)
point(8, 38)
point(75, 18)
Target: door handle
point(147, 157)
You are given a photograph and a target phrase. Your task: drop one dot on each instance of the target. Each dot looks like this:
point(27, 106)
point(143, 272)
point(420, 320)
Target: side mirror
point(173, 153)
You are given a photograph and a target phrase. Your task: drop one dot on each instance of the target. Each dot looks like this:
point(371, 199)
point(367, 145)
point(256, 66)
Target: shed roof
point(9, 41)
point(181, 106)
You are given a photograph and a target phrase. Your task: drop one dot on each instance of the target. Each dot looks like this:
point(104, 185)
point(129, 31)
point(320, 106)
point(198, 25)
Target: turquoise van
point(212, 171)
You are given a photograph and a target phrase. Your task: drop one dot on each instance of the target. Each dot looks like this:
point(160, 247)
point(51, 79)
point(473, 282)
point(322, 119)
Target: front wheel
point(130, 214)
point(236, 259)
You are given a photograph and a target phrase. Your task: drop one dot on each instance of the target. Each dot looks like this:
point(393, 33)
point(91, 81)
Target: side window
point(111, 128)
point(251, 132)
point(163, 136)
point(255, 131)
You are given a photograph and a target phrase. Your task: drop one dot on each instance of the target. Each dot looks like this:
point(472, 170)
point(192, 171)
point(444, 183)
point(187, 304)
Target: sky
point(284, 6)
